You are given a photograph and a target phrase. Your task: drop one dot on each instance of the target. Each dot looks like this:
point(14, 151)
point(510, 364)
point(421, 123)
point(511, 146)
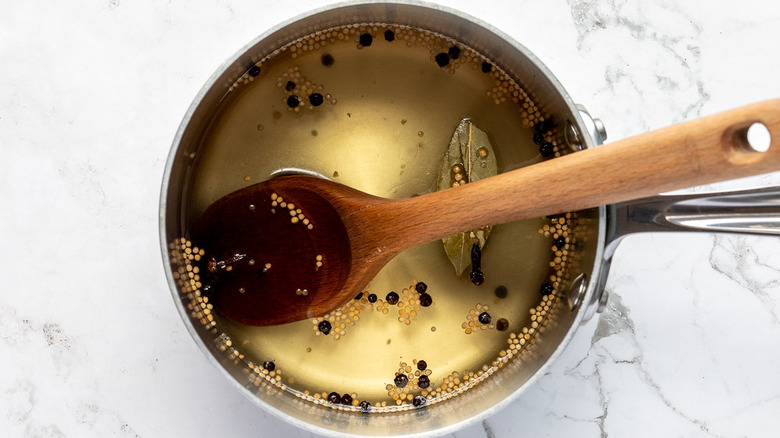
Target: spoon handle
point(701, 151)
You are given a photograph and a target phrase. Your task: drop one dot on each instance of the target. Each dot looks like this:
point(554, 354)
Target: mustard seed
point(401, 380)
point(420, 287)
point(392, 298)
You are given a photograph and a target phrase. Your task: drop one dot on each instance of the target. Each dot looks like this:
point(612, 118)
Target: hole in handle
point(746, 143)
point(758, 138)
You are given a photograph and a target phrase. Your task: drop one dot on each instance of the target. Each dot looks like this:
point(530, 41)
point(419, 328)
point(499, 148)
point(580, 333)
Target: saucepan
point(591, 246)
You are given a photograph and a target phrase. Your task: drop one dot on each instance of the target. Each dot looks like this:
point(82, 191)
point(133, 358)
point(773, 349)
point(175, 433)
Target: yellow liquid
point(388, 113)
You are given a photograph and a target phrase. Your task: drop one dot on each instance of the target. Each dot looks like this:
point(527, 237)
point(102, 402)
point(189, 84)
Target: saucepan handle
point(754, 211)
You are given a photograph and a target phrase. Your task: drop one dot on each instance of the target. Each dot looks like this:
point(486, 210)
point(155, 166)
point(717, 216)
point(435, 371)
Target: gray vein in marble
point(488, 430)
point(23, 394)
point(595, 376)
point(129, 431)
point(39, 431)
point(591, 16)
point(616, 320)
point(738, 250)
point(13, 329)
point(598, 421)
point(704, 342)
point(749, 407)
point(21, 399)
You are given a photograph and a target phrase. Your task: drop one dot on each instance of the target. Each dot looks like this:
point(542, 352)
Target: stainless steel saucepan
point(602, 228)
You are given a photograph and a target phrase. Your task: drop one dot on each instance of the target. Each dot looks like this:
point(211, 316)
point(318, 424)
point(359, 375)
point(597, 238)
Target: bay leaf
point(470, 152)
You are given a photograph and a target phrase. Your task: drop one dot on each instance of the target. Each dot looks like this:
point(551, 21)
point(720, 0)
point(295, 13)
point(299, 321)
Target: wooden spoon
point(299, 247)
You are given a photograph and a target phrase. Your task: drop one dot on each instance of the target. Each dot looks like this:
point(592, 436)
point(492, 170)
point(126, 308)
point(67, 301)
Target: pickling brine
point(374, 107)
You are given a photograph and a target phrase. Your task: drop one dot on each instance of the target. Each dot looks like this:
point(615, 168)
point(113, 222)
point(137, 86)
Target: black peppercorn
point(392, 298)
point(254, 71)
point(389, 35)
point(454, 52)
point(364, 406)
point(327, 60)
point(539, 138)
point(292, 101)
point(425, 300)
point(542, 126)
point(422, 365)
point(419, 400)
point(485, 318)
point(486, 67)
point(316, 99)
point(289, 86)
point(269, 365)
point(546, 149)
point(546, 289)
point(401, 380)
point(346, 399)
point(359, 296)
point(423, 381)
point(560, 242)
point(372, 298)
point(324, 327)
point(366, 39)
point(501, 292)
point(420, 287)
point(334, 397)
point(442, 59)
point(502, 324)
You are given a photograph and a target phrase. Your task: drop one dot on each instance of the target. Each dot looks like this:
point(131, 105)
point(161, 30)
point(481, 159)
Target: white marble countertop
point(92, 93)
